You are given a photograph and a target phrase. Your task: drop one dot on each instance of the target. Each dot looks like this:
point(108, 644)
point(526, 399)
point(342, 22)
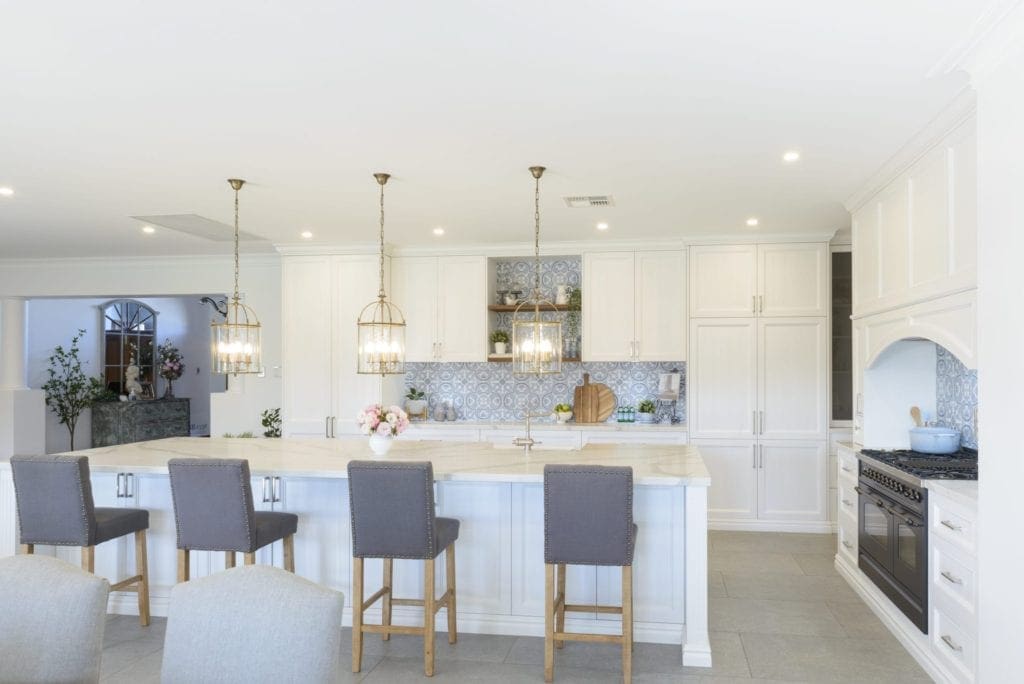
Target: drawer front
point(954, 580)
point(545, 439)
point(952, 522)
point(847, 498)
point(847, 464)
point(954, 645)
point(847, 544)
point(633, 437)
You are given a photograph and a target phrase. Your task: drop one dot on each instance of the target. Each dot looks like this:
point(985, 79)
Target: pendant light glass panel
point(381, 339)
point(536, 345)
point(237, 346)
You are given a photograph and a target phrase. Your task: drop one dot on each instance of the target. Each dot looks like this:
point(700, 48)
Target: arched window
point(129, 335)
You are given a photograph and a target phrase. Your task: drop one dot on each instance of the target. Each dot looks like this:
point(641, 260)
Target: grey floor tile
point(784, 656)
point(145, 670)
point(753, 562)
point(775, 542)
point(119, 656)
point(727, 657)
point(477, 647)
point(810, 618)
point(398, 670)
point(857, 620)
point(716, 585)
point(789, 587)
point(530, 651)
point(817, 563)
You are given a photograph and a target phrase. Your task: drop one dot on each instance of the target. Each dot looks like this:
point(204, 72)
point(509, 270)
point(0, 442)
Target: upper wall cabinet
point(916, 239)
point(444, 300)
point(786, 279)
point(634, 306)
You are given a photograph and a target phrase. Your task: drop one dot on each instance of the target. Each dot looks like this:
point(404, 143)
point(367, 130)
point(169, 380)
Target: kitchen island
point(496, 493)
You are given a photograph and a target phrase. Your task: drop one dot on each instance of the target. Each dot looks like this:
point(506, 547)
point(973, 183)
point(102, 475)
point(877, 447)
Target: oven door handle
point(906, 517)
point(878, 502)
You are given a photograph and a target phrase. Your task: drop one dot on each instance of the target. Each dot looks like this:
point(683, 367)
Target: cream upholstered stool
point(55, 507)
point(393, 517)
point(213, 511)
point(588, 520)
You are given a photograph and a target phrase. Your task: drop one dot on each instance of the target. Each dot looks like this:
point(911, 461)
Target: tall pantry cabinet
point(758, 382)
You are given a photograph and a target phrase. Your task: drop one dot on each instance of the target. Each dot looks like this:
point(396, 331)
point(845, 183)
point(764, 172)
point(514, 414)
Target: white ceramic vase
point(500, 348)
point(380, 444)
point(563, 417)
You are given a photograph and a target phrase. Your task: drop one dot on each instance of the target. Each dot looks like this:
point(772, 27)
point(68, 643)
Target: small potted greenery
point(563, 413)
point(645, 411)
point(499, 338)
point(415, 402)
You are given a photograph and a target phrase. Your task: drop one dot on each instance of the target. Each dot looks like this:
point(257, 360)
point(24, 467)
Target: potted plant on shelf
point(499, 338)
point(382, 424)
point(645, 411)
point(416, 402)
point(563, 413)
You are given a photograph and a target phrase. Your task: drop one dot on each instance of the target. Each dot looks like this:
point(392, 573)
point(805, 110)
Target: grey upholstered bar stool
point(55, 507)
point(393, 517)
point(588, 520)
point(213, 511)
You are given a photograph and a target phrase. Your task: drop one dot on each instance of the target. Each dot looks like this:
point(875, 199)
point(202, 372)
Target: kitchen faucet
point(528, 441)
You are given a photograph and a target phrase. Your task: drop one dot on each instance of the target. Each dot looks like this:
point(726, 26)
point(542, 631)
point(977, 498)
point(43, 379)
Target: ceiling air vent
point(583, 201)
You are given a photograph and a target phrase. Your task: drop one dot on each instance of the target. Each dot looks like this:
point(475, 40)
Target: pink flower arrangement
point(171, 363)
point(385, 421)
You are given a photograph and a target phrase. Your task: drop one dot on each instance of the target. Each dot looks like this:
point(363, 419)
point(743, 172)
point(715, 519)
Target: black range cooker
point(893, 521)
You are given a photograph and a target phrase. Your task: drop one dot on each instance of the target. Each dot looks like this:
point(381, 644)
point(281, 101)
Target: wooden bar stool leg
point(289, 553)
point(250, 558)
point(357, 614)
point(28, 549)
point(229, 560)
point(560, 593)
point(386, 607)
point(549, 622)
point(89, 558)
point(627, 623)
point(183, 569)
point(142, 570)
point(449, 560)
point(428, 617)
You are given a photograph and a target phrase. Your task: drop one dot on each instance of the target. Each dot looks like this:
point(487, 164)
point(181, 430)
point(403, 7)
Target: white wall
point(904, 375)
point(183, 320)
point(234, 411)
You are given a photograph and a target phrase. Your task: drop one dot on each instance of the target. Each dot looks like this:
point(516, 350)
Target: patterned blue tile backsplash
point(518, 274)
point(957, 396)
point(489, 391)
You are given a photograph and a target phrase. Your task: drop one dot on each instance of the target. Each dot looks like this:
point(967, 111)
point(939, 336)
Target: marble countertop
point(962, 491)
point(664, 465)
point(546, 425)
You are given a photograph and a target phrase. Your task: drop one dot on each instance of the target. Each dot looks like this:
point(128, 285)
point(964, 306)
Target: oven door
point(910, 557)
point(875, 522)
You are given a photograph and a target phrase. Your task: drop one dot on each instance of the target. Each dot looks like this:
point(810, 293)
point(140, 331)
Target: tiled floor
point(779, 612)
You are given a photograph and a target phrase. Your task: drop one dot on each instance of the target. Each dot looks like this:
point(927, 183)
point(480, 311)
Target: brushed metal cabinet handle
point(955, 528)
point(120, 485)
point(845, 469)
point(753, 305)
point(761, 422)
point(847, 544)
point(949, 577)
point(847, 502)
point(754, 421)
point(129, 486)
point(762, 456)
point(266, 481)
point(754, 447)
point(275, 489)
point(760, 300)
point(327, 426)
point(952, 644)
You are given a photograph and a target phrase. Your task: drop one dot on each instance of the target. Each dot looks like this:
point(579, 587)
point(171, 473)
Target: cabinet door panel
point(462, 308)
point(414, 284)
point(722, 382)
point(660, 306)
point(723, 280)
point(929, 219)
point(893, 236)
point(733, 468)
point(307, 376)
point(865, 257)
point(112, 557)
point(792, 378)
point(793, 279)
point(153, 492)
point(608, 313)
point(964, 184)
point(793, 480)
point(323, 550)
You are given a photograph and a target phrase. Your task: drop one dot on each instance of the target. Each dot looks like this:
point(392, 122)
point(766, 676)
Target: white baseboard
point(816, 527)
point(903, 629)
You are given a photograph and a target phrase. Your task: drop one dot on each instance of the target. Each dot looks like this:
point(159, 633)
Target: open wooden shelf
point(507, 358)
point(503, 308)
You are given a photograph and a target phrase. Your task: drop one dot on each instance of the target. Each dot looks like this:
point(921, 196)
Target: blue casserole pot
point(934, 440)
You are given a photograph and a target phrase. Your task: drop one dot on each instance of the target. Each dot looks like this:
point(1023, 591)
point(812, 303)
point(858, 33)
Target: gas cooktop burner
point(962, 465)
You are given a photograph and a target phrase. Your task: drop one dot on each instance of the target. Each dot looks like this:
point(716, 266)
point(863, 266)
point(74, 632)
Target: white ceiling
point(681, 110)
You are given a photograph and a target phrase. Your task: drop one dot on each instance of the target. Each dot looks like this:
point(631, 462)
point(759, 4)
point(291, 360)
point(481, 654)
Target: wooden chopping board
point(592, 402)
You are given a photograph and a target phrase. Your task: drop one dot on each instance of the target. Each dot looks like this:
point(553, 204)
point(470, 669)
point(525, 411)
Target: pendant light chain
point(536, 239)
point(236, 243)
point(381, 262)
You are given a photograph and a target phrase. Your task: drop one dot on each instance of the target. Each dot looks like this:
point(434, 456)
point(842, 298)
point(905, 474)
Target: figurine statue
point(131, 381)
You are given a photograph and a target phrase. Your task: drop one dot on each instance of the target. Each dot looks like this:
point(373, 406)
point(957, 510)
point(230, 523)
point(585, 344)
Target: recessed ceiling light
point(751, 221)
point(439, 231)
point(602, 226)
point(6, 192)
point(148, 230)
point(306, 234)
point(791, 156)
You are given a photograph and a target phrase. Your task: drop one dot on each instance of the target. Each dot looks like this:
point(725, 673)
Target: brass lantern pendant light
point(236, 341)
point(536, 343)
point(381, 326)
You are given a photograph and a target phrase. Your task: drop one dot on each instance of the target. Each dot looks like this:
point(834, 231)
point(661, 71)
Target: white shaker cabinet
point(321, 299)
point(634, 306)
point(444, 300)
point(792, 480)
point(722, 378)
point(733, 466)
point(785, 279)
point(792, 384)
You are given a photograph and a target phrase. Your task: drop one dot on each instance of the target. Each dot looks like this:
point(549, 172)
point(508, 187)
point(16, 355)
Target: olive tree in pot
point(69, 391)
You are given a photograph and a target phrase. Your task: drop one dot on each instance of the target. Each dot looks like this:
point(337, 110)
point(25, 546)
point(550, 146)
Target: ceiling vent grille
point(583, 201)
